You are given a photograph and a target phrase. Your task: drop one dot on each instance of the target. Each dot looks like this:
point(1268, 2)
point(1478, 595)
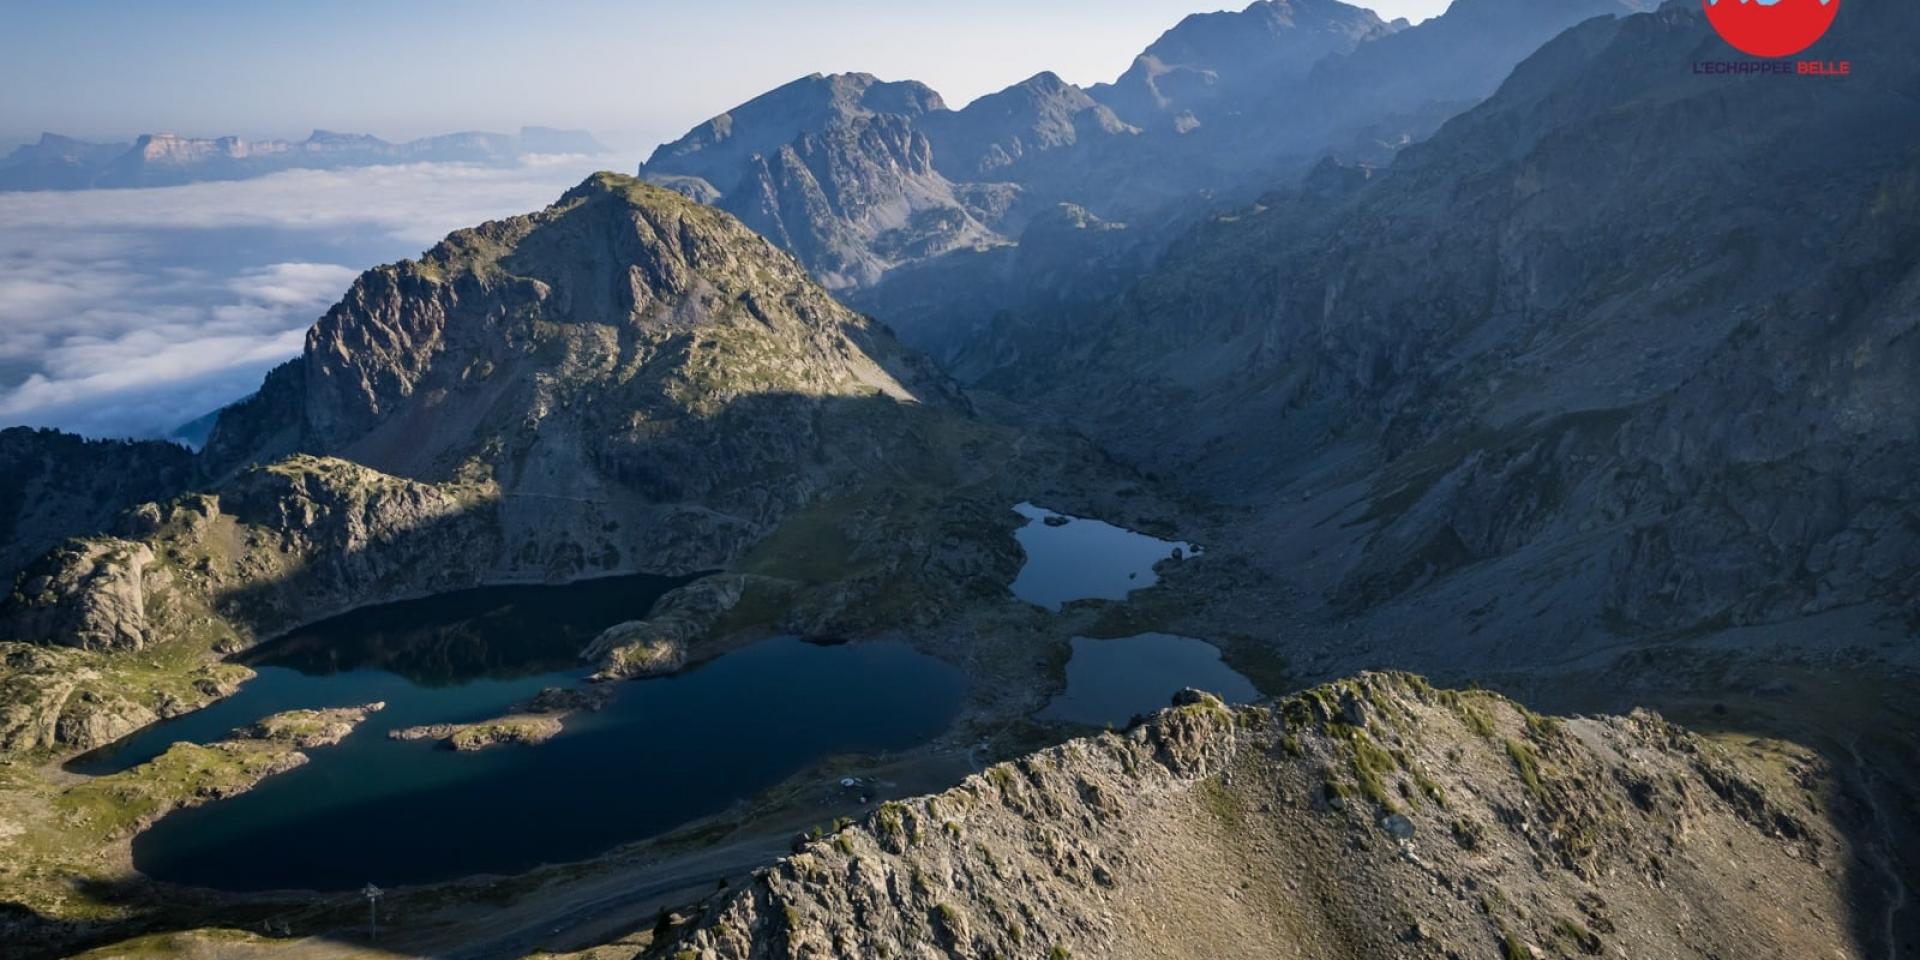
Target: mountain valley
point(696, 526)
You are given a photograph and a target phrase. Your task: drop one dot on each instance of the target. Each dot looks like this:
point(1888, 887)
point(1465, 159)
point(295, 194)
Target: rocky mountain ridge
point(1211, 65)
point(1376, 817)
point(862, 179)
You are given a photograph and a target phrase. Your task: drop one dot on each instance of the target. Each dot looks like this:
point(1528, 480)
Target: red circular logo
point(1771, 28)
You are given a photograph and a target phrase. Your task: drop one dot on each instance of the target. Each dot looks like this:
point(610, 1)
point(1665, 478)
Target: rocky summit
point(1372, 818)
point(628, 372)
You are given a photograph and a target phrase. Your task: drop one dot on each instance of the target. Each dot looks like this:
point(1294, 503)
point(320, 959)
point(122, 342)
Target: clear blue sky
point(636, 72)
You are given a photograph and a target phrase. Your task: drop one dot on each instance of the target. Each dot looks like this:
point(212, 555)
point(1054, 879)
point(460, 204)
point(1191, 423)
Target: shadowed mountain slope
point(1565, 348)
point(889, 196)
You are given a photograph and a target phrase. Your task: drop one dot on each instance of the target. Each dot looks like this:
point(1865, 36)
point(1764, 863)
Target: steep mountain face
point(1212, 65)
point(857, 177)
point(1561, 350)
point(720, 149)
point(55, 485)
point(625, 360)
point(1003, 135)
point(164, 159)
point(1066, 257)
point(1405, 84)
point(1376, 817)
point(1222, 108)
point(854, 199)
point(835, 170)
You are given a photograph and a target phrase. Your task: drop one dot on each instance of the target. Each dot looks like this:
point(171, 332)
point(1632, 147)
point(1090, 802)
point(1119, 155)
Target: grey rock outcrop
point(1255, 832)
point(659, 644)
point(55, 485)
point(306, 729)
point(274, 547)
point(59, 699)
point(89, 595)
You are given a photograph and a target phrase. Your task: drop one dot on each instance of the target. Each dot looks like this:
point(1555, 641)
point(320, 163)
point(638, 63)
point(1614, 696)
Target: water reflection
point(1070, 558)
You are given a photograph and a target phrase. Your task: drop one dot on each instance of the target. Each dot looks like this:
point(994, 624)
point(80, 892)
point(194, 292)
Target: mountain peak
point(1046, 80)
point(718, 150)
point(1208, 56)
point(548, 316)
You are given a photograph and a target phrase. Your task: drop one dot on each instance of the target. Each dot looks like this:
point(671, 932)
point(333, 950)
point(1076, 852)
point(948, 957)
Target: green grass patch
point(1576, 934)
point(1371, 766)
point(1527, 762)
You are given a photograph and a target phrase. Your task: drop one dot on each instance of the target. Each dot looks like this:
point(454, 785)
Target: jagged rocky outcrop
point(272, 548)
point(717, 150)
point(1014, 134)
point(164, 159)
point(1528, 360)
point(658, 644)
point(62, 699)
point(1376, 817)
point(835, 170)
point(55, 485)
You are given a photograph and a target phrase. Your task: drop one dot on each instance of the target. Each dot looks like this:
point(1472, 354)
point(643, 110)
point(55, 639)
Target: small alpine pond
point(1073, 558)
point(1111, 681)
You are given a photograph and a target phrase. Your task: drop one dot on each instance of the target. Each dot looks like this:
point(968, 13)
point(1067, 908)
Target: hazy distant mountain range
point(857, 176)
point(56, 162)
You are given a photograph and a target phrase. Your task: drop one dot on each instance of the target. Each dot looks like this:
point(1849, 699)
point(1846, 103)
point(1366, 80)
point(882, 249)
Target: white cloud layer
point(131, 312)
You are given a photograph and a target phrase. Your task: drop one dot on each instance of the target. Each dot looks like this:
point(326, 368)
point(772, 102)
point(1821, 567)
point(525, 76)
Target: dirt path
point(594, 916)
point(564, 917)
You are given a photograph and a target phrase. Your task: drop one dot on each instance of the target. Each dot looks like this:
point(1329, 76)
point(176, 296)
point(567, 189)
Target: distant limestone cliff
point(164, 159)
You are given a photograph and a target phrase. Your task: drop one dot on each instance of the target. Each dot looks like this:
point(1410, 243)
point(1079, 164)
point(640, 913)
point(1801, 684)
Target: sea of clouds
point(127, 313)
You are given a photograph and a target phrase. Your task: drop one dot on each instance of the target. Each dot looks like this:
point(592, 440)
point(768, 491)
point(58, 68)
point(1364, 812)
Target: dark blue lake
point(666, 751)
point(1111, 681)
point(1074, 558)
